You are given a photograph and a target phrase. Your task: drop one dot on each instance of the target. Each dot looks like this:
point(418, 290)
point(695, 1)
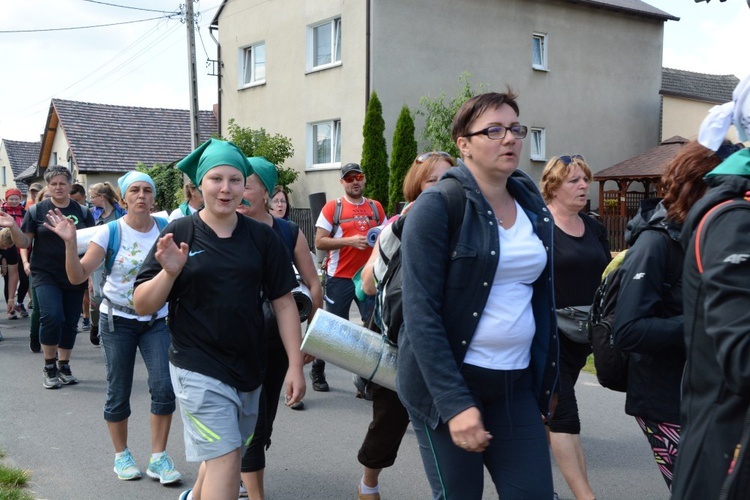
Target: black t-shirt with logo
point(48, 255)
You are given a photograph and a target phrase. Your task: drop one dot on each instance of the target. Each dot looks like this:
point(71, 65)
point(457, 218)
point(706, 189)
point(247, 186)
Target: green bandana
point(266, 170)
point(213, 153)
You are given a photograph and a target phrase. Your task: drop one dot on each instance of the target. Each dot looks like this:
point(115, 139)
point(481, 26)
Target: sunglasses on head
point(354, 177)
point(426, 156)
point(568, 159)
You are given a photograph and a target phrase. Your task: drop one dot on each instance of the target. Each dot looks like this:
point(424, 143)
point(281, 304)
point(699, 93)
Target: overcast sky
point(145, 63)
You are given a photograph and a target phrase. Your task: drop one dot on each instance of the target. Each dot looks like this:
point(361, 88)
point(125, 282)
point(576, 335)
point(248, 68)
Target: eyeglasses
point(279, 202)
point(356, 177)
point(567, 160)
point(426, 156)
point(496, 132)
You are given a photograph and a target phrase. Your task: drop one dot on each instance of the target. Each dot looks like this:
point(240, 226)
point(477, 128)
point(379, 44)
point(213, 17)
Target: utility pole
point(190, 22)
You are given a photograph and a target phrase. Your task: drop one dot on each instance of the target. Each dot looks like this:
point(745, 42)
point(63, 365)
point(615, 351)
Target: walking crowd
point(485, 261)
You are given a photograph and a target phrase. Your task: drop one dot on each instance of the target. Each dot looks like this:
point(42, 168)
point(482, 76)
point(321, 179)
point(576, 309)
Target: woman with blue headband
point(122, 331)
point(216, 267)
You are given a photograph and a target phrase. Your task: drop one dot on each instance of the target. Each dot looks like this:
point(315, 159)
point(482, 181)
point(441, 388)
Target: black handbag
point(573, 322)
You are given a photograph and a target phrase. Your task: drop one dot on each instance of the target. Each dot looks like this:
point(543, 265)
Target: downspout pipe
point(219, 65)
point(368, 8)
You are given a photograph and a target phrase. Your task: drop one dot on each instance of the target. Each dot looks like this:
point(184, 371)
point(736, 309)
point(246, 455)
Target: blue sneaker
point(125, 467)
point(162, 469)
point(186, 495)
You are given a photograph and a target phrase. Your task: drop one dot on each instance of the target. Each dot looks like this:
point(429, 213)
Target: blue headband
point(134, 176)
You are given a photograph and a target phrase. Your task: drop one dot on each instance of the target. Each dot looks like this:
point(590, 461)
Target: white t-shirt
point(503, 337)
point(134, 246)
point(177, 213)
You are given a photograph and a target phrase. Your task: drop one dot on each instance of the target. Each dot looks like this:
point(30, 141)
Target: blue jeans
point(59, 311)
point(518, 455)
point(119, 348)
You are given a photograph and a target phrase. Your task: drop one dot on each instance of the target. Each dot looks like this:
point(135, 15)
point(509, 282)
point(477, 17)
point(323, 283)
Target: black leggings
point(23, 285)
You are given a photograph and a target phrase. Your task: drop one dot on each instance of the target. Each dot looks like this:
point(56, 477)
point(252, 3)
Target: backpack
point(389, 307)
point(610, 362)
point(339, 208)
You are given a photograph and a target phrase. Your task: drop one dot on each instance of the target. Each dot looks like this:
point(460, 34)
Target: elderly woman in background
point(389, 417)
point(59, 299)
point(477, 364)
point(280, 203)
point(581, 252)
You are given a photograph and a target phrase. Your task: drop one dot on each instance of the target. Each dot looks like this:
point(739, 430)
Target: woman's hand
point(171, 257)
point(295, 386)
point(27, 268)
point(6, 220)
point(468, 432)
point(61, 225)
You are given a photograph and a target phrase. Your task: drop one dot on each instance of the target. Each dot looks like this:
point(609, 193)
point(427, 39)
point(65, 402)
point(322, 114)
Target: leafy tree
point(275, 148)
point(403, 154)
point(439, 115)
point(374, 152)
point(168, 181)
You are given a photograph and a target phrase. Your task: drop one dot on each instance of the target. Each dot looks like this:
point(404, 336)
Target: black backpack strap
point(455, 197)
point(336, 217)
point(183, 231)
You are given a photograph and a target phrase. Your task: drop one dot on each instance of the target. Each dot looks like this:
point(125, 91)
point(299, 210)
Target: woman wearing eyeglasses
point(280, 203)
point(581, 252)
point(477, 365)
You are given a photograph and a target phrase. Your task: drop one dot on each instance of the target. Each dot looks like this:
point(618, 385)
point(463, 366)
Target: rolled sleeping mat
point(372, 235)
point(351, 347)
point(303, 299)
point(84, 236)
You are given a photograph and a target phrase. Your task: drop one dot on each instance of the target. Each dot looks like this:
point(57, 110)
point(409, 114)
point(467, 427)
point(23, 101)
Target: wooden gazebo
point(635, 179)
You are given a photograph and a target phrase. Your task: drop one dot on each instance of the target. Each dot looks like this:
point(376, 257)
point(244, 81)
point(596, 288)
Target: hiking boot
point(34, 345)
point(86, 324)
point(364, 391)
point(51, 380)
point(162, 469)
point(94, 335)
point(64, 374)
point(21, 311)
point(318, 377)
point(125, 467)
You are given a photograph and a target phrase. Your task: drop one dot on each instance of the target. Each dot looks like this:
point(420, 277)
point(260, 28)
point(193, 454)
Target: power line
point(126, 6)
point(86, 27)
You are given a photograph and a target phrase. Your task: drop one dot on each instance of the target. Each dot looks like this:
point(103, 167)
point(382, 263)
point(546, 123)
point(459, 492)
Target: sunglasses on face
point(567, 159)
point(355, 177)
point(426, 156)
point(497, 132)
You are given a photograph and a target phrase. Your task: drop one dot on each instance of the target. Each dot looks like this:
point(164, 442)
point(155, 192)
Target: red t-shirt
point(355, 219)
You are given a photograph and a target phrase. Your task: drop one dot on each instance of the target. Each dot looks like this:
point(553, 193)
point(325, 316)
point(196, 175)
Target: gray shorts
point(216, 417)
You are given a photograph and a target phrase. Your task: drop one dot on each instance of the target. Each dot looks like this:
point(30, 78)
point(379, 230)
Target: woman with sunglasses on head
point(389, 417)
point(477, 364)
point(581, 252)
point(649, 323)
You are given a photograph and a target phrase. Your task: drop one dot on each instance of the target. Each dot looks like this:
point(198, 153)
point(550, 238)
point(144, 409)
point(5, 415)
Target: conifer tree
point(403, 154)
point(374, 153)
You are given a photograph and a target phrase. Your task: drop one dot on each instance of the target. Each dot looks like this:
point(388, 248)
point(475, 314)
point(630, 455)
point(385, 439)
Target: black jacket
point(648, 317)
point(716, 386)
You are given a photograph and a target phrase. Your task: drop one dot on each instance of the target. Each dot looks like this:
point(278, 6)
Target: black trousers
point(384, 435)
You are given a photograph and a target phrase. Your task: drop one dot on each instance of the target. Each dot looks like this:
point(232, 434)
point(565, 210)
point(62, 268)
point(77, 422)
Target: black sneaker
point(65, 375)
point(319, 380)
point(21, 311)
point(364, 391)
point(94, 335)
point(34, 344)
point(51, 380)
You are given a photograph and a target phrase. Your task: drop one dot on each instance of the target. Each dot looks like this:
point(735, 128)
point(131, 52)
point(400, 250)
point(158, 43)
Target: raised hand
point(171, 257)
point(60, 225)
point(6, 220)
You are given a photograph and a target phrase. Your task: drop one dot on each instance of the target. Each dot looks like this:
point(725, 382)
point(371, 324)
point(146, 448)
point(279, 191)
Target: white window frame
point(248, 55)
point(541, 39)
point(312, 145)
point(537, 144)
point(335, 45)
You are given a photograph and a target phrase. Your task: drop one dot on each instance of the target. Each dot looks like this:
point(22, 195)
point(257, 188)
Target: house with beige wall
point(688, 96)
point(588, 72)
point(101, 142)
point(15, 158)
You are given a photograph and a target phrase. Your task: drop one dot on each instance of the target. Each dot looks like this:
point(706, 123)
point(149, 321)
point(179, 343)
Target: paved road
point(61, 438)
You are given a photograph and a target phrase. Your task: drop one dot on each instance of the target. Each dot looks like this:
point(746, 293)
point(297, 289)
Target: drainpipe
point(368, 7)
point(218, 72)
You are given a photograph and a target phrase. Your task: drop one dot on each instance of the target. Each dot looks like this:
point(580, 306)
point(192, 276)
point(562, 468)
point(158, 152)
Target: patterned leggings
point(664, 439)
